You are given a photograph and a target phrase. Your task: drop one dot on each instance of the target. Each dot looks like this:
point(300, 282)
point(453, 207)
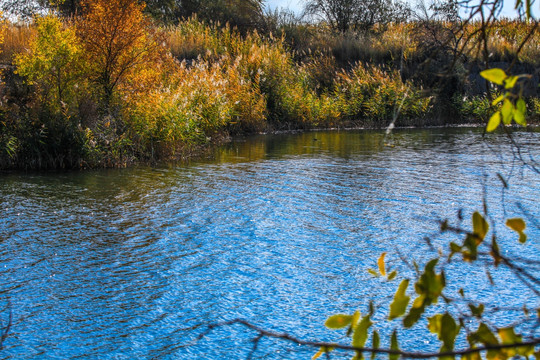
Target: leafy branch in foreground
point(327, 347)
point(513, 105)
point(430, 288)
point(464, 321)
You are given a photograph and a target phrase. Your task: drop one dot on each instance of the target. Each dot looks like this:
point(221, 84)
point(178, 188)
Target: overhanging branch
point(404, 354)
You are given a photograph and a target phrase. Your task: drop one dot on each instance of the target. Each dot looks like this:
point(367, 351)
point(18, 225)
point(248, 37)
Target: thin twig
point(8, 327)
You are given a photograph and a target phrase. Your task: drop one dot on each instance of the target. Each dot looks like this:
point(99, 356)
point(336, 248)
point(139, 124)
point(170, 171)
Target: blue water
point(278, 230)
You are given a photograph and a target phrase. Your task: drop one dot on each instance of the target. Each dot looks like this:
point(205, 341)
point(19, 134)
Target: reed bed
point(209, 81)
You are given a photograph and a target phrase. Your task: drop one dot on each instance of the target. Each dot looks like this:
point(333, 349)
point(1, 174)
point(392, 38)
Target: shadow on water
point(275, 229)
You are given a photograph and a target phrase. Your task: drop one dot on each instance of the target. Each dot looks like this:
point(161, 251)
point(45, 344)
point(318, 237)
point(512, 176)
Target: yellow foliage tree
point(123, 51)
point(52, 63)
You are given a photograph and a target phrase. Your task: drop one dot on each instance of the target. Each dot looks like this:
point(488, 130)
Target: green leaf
point(361, 332)
point(525, 351)
point(373, 272)
point(338, 321)
point(519, 117)
point(510, 82)
point(394, 345)
point(375, 343)
point(471, 244)
point(429, 287)
point(449, 331)
point(508, 336)
point(480, 225)
point(454, 248)
point(356, 316)
point(477, 310)
point(472, 356)
point(521, 106)
point(414, 314)
point(392, 275)
point(520, 113)
point(380, 263)
point(446, 328)
point(496, 75)
point(498, 100)
point(484, 336)
point(495, 251)
point(507, 111)
point(401, 300)
point(494, 122)
point(434, 324)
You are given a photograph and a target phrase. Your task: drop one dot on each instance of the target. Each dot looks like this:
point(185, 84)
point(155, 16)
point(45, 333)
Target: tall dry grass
point(16, 39)
point(218, 81)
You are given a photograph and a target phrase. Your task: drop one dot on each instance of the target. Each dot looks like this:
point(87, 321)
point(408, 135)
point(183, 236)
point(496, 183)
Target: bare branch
point(405, 354)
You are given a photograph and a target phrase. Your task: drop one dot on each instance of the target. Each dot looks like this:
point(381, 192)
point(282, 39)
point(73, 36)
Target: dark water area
point(278, 230)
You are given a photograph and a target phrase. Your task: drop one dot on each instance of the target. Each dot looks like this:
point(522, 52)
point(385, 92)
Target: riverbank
point(66, 105)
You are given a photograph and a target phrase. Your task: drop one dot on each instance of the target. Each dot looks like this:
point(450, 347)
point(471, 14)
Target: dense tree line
point(243, 14)
point(345, 15)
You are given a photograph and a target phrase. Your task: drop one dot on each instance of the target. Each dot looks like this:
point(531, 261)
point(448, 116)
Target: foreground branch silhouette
point(261, 332)
point(4, 332)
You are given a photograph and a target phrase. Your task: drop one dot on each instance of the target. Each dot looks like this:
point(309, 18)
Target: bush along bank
point(110, 88)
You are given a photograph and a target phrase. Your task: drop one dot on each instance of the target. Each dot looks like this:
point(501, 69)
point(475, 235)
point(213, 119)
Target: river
point(278, 230)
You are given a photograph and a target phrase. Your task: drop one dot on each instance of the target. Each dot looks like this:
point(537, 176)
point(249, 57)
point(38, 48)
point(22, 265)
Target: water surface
point(278, 230)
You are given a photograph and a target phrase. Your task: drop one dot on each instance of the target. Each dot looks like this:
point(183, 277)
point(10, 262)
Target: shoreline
point(204, 151)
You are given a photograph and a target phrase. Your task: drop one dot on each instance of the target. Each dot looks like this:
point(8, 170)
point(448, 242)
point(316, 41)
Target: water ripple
point(278, 230)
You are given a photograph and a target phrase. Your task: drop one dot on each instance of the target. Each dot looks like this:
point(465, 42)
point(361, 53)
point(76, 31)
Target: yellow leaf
point(516, 224)
point(338, 321)
point(321, 351)
point(519, 118)
point(480, 225)
point(497, 100)
point(373, 272)
point(380, 262)
point(507, 111)
point(401, 300)
point(496, 76)
point(494, 122)
point(355, 318)
point(510, 82)
point(318, 354)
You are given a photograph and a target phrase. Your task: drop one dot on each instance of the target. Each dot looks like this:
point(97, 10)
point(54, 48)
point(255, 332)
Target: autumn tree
point(52, 62)
point(119, 43)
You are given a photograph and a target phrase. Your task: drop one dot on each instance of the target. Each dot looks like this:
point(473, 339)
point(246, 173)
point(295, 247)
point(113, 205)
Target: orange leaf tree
point(120, 45)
